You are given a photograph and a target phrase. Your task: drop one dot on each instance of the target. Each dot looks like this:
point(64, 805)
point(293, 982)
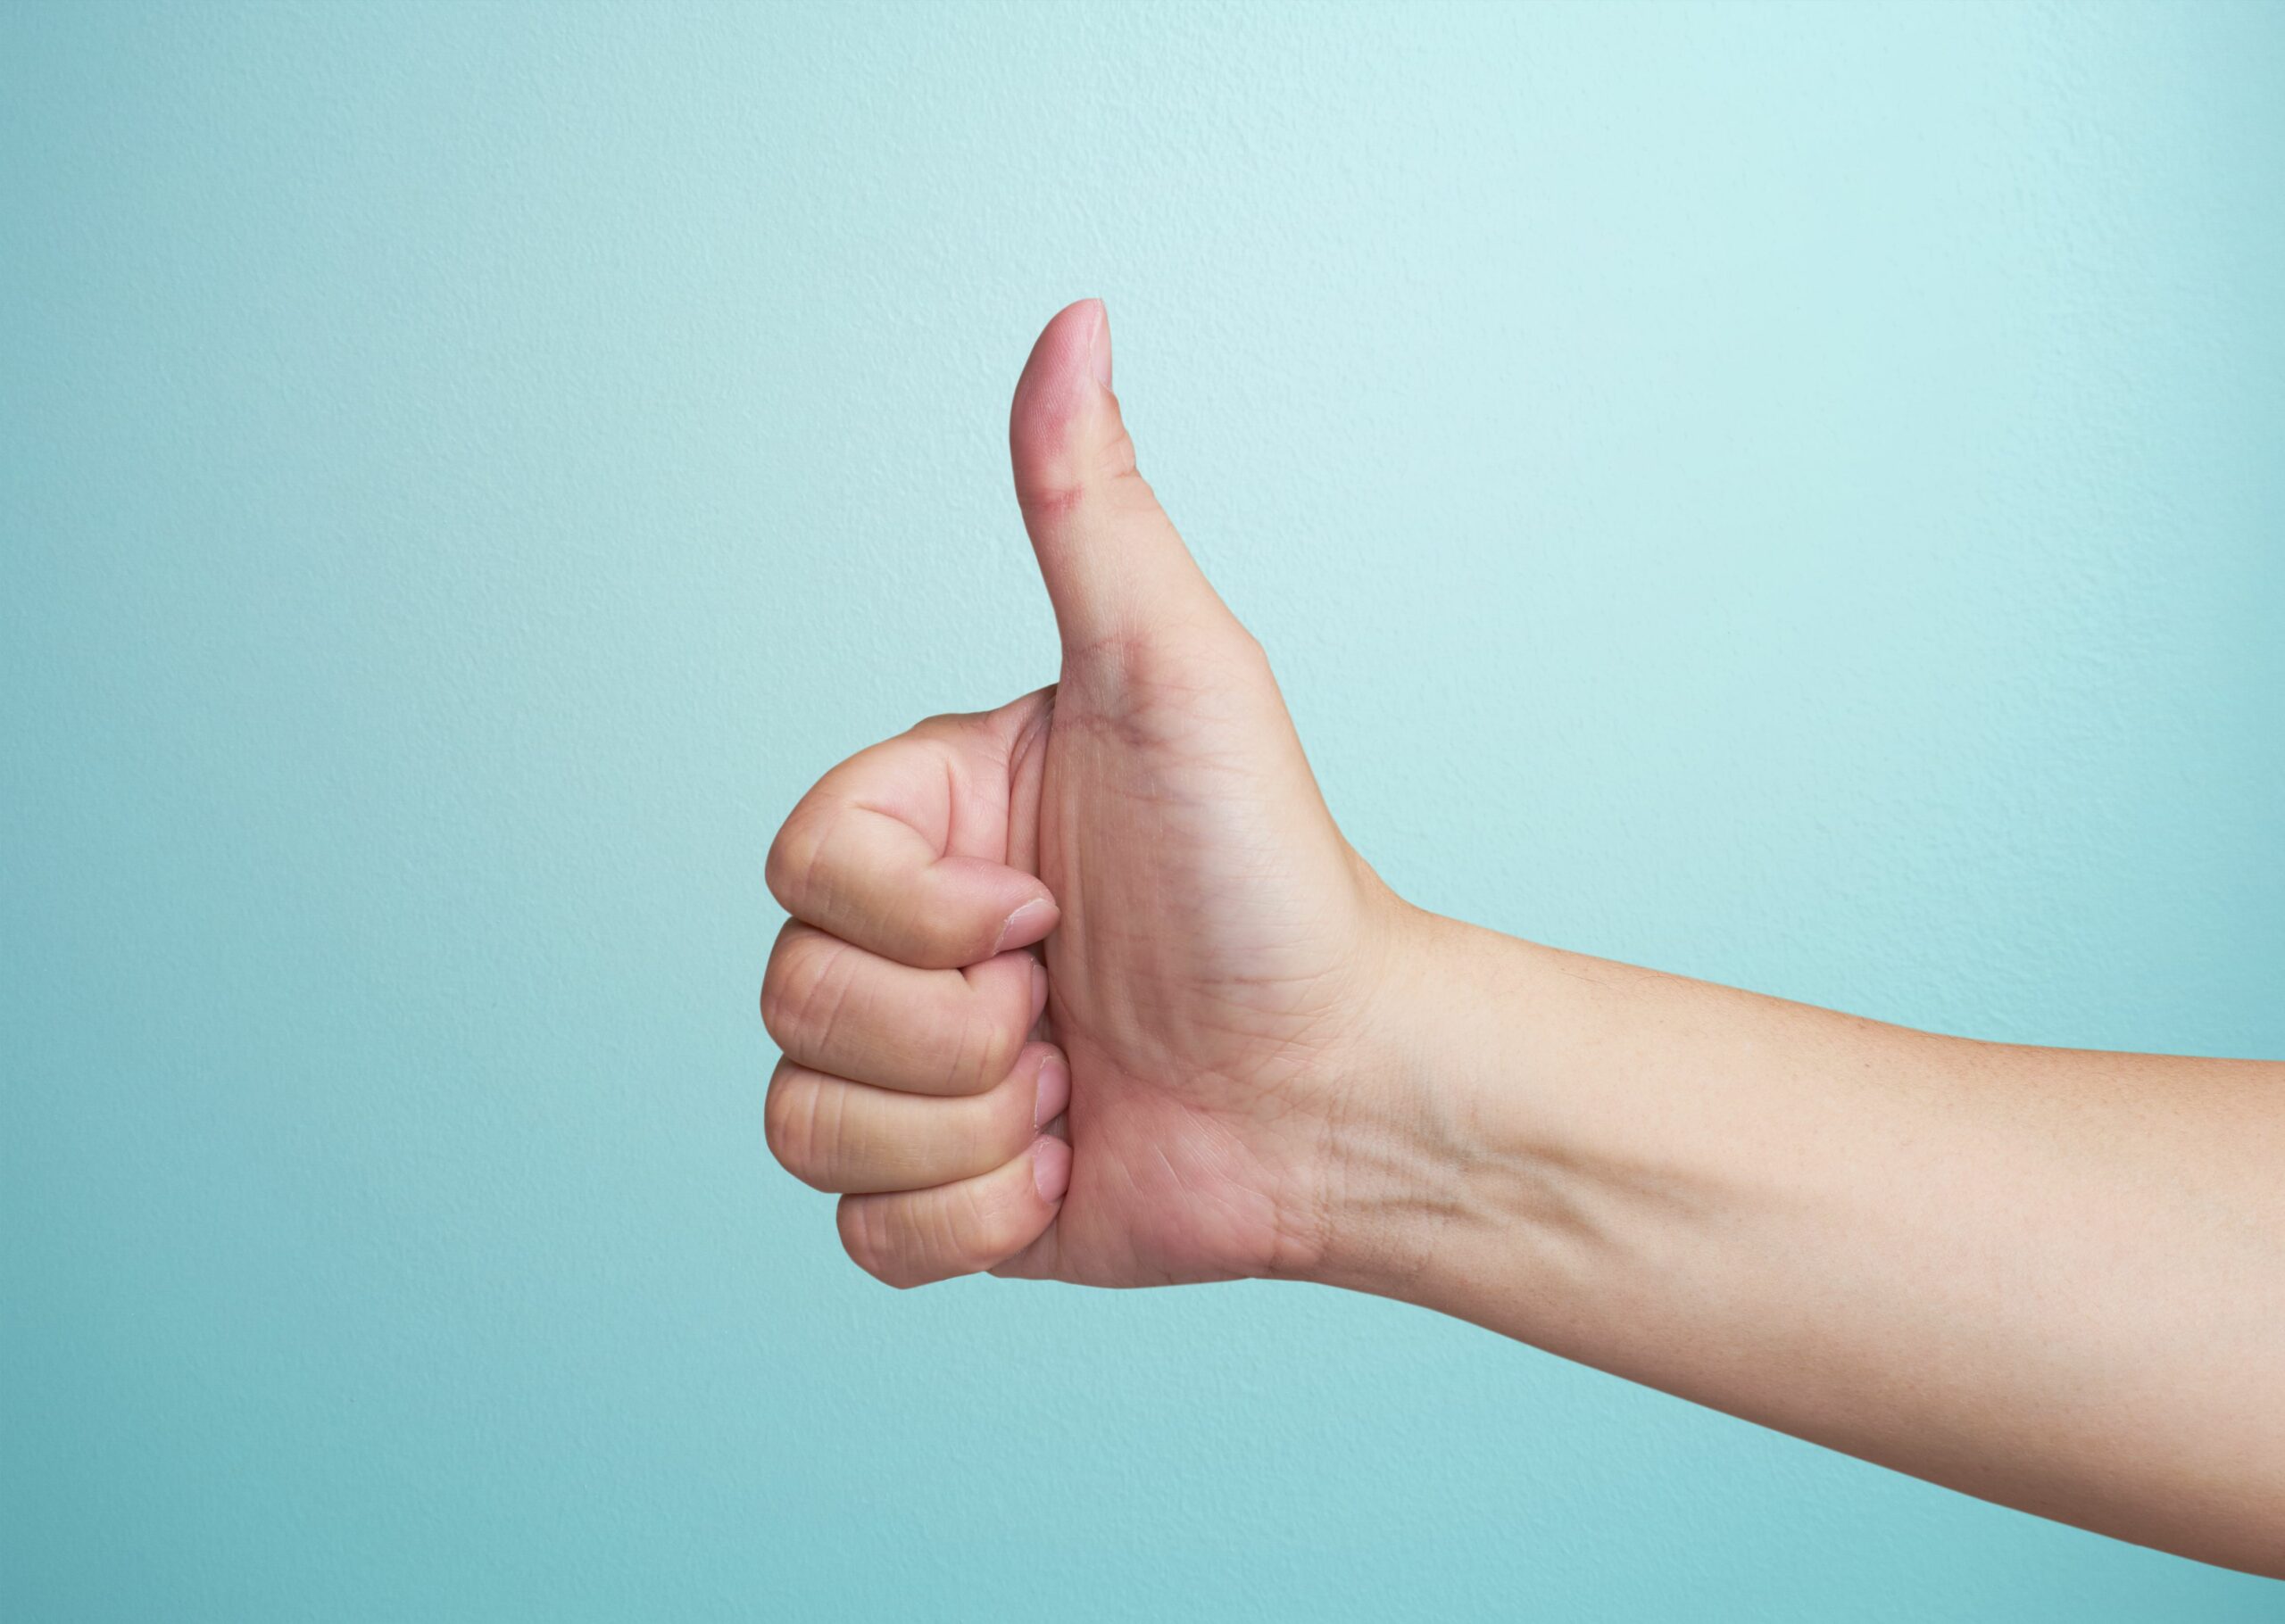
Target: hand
point(1244, 1055)
point(1206, 1025)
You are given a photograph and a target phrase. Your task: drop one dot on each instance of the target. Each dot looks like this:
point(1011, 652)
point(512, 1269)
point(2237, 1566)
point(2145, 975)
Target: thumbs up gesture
point(1087, 987)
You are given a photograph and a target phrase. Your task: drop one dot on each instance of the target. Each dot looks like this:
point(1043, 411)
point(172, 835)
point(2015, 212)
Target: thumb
point(1115, 567)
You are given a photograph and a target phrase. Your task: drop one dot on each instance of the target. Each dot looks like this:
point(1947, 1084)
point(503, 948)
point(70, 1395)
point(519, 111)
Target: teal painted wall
point(1790, 495)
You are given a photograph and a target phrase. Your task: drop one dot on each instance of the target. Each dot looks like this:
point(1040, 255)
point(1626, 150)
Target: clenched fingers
point(902, 849)
point(835, 1008)
point(852, 1137)
point(916, 1236)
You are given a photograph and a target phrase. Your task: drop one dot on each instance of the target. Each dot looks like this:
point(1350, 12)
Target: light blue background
point(1792, 495)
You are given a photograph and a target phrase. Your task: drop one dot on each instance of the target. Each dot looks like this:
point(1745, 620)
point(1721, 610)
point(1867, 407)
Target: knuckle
point(1046, 497)
point(953, 1232)
point(772, 1002)
point(1115, 660)
point(935, 942)
point(983, 1052)
point(776, 1008)
point(1004, 1042)
point(963, 1064)
point(945, 726)
point(967, 1229)
point(789, 1122)
point(974, 1140)
point(978, 1222)
point(800, 995)
point(1008, 1126)
point(867, 1229)
point(859, 1223)
point(793, 860)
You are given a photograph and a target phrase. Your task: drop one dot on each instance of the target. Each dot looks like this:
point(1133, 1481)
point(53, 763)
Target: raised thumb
point(1115, 568)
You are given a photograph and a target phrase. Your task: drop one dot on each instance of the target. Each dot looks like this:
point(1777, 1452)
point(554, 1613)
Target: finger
point(851, 1138)
point(1115, 567)
point(916, 1236)
point(900, 850)
point(835, 1008)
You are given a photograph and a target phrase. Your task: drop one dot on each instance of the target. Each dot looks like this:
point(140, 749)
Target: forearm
point(1090, 987)
point(2052, 1278)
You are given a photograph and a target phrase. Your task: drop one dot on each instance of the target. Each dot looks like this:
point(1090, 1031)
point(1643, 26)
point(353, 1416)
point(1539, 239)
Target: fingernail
point(1099, 346)
point(1054, 1091)
point(1039, 990)
point(1024, 919)
point(1051, 1169)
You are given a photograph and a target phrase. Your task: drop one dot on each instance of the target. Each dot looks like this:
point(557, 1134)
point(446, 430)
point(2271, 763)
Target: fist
point(1088, 986)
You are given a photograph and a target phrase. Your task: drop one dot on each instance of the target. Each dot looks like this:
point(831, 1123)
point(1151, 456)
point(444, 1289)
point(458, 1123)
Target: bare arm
point(1089, 988)
point(2050, 1277)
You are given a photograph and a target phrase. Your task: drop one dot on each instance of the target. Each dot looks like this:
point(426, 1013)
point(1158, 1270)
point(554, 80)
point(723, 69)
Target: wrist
point(1453, 1130)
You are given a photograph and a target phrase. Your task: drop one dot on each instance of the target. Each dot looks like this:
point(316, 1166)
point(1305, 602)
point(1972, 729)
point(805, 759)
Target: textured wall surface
point(1790, 495)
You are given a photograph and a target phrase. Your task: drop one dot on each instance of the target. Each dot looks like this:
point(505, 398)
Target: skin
point(1089, 988)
